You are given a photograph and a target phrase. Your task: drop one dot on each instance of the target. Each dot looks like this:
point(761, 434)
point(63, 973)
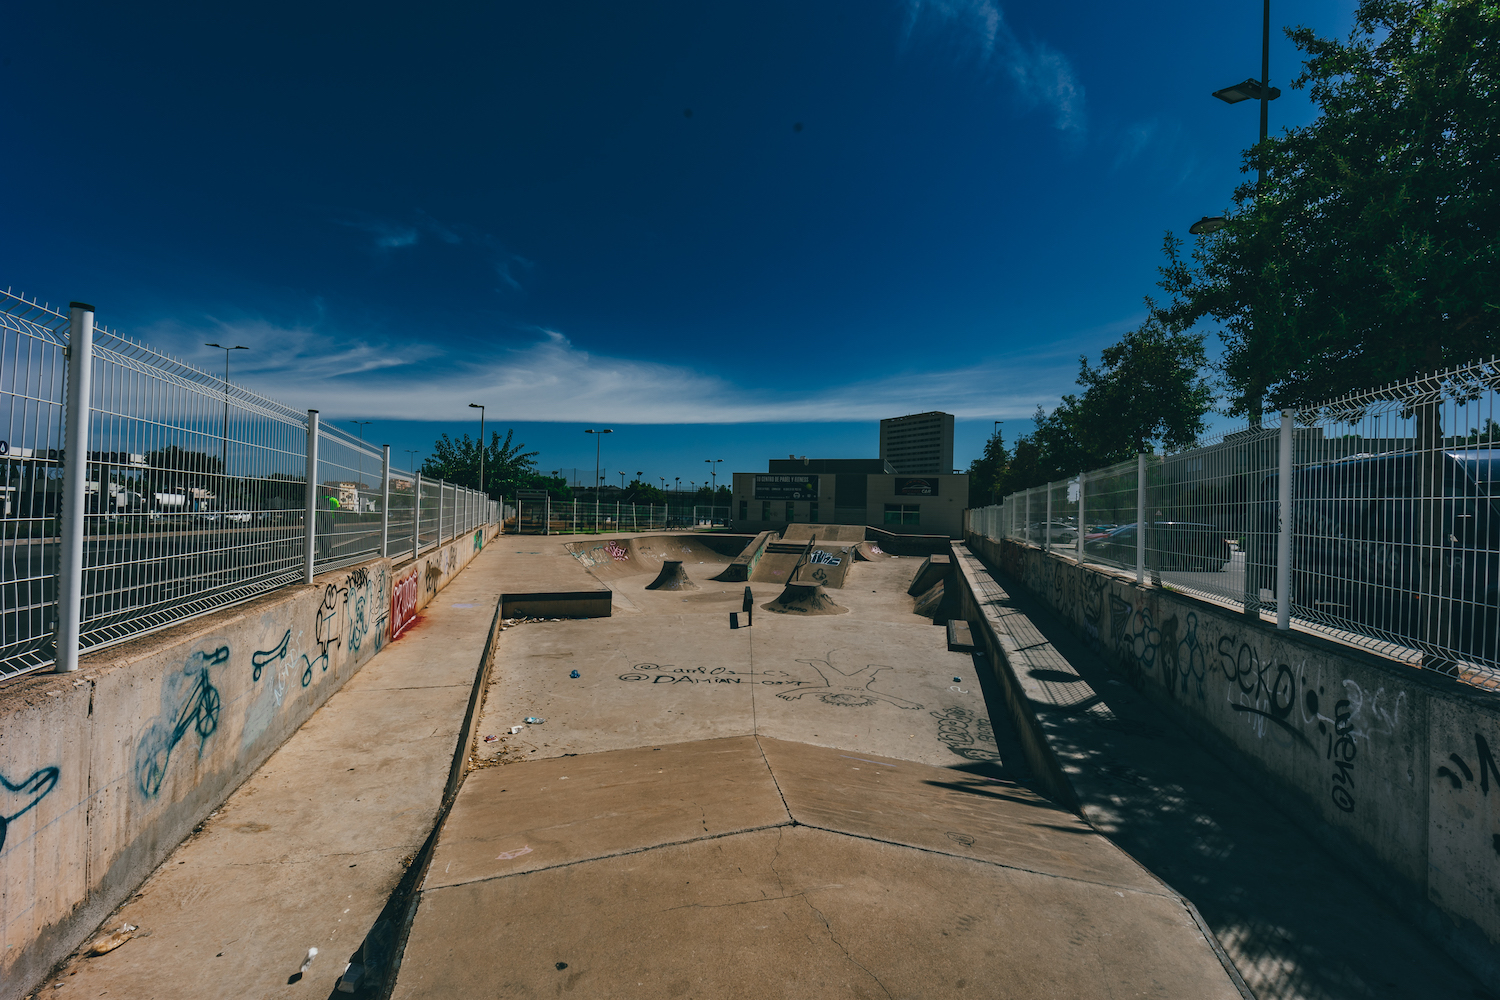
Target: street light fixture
point(1208, 224)
point(224, 438)
point(480, 408)
point(713, 471)
point(598, 444)
point(1257, 90)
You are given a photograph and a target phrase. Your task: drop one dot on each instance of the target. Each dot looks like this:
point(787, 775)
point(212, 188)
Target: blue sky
point(727, 230)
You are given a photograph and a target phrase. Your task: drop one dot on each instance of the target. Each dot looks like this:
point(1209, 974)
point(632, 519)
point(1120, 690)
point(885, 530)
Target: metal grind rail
point(137, 491)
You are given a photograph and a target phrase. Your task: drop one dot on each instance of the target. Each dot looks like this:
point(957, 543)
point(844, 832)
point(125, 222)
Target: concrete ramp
point(825, 532)
point(870, 552)
point(780, 561)
point(756, 867)
point(827, 563)
point(609, 559)
point(934, 569)
point(672, 577)
point(742, 566)
point(805, 599)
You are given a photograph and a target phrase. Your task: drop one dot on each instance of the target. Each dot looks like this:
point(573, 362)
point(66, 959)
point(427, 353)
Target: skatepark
point(637, 799)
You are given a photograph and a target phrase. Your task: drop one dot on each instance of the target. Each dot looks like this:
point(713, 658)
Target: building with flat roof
point(919, 444)
point(848, 491)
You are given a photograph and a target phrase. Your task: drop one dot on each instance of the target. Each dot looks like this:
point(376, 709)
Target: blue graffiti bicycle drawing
point(191, 702)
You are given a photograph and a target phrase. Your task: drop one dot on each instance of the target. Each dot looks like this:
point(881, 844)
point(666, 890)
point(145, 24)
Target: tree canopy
point(1370, 253)
point(507, 466)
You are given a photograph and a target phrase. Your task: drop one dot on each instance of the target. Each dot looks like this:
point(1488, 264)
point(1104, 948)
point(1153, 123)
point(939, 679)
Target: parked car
point(1057, 532)
point(1359, 551)
point(1183, 545)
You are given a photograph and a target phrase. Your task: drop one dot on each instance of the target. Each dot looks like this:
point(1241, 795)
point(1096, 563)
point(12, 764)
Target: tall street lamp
point(1261, 89)
point(598, 444)
point(480, 408)
point(224, 438)
point(1250, 90)
point(622, 482)
point(713, 471)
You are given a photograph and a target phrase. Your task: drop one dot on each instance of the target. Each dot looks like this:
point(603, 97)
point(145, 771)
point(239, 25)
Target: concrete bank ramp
point(870, 552)
point(781, 560)
point(610, 559)
point(756, 867)
point(825, 532)
point(827, 563)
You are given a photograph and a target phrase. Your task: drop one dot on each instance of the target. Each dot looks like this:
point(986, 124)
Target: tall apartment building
point(920, 444)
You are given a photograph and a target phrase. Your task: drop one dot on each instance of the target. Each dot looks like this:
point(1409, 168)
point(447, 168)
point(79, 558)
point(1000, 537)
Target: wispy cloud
point(1041, 75)
point(550, 378)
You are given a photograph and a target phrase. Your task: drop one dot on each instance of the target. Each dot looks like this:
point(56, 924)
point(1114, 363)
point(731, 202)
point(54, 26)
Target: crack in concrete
point(848, 957)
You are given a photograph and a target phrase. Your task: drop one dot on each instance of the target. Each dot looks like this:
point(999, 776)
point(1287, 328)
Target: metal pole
point(75, 485)
point(1140, 518)
point(1265, 84)
point(416, 516)
point(1284, 534)
point(1081, 524)
point(311, 514)
point(385, 500)
point(1047, 531)
point(442, 485)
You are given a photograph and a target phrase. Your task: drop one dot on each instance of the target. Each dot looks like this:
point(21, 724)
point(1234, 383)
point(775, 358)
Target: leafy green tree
point(986, 472)
point(507, 466)
point(1370, 254)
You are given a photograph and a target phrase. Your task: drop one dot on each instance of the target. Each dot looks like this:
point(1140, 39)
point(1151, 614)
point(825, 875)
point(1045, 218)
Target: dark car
point(1359, 554)
point(1185, 545)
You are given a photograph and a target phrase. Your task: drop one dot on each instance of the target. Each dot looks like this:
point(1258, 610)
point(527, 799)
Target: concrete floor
point(812, 807)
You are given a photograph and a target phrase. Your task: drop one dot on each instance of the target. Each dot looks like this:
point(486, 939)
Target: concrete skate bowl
point(672, 577)
point(618, 559)
point(806, 599)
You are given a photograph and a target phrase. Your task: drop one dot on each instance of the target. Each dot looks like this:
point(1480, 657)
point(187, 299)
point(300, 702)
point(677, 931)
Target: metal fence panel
point(33, 370)
point(1390, 537)
point(194, 491)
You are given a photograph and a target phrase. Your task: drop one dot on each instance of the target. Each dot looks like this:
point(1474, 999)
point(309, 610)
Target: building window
point(812, 513)
point(791, 511)
point(903, 513)
point(765, 510)
point(744, 510)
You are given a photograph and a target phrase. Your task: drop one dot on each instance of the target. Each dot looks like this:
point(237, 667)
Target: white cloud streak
point(551, 379)
point(1041, 75)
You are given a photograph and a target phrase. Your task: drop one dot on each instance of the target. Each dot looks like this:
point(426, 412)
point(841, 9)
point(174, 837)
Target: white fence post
point(385, 500)
point(309, 537)
point(416, 515)
point(1047, 528)
point(1284, 522)
point(75, 485)
point(1026, 528)
point(442, 487)
point(1082, 526)
point(1140, 518)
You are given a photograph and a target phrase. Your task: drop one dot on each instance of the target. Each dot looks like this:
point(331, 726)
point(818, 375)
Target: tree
point(1370, 255)
point(507, 466)
point(987, 471)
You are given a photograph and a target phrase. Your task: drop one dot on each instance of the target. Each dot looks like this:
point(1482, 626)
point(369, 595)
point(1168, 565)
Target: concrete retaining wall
point(106, 770)
point(1390, 767)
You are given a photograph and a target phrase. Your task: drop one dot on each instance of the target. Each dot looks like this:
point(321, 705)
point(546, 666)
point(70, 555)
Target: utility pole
point(224, 438)
point(480, 408)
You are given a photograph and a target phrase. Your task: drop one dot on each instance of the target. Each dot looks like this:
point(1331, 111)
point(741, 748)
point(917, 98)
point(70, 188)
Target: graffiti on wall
point(404, 601)
point(19, 798)
point(1461, 777)
point(189, 703)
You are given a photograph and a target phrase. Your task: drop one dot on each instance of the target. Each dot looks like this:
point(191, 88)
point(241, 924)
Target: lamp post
point(480, 408)
point(1249, 90)
point(598, 445)
point(713, 471)
point(622, 482)
point(224, 438)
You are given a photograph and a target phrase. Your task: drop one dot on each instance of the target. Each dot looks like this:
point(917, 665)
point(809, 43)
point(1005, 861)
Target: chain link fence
point(535, 513)
point(185, 493)
point(1374, 518)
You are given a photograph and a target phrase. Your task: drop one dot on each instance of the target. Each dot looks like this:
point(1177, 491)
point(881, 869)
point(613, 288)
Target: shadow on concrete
point(1296, 922)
